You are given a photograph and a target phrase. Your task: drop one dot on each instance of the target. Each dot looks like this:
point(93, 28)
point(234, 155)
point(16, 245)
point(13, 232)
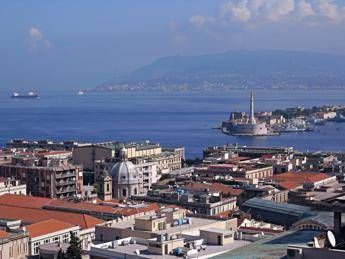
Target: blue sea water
point(171, 118)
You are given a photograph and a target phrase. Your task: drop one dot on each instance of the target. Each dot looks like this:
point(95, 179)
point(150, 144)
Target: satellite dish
point(331, 238)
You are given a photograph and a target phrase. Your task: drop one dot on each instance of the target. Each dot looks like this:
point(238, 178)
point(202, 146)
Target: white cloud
point(331, 10)
point(236, 11)
point(277, 10)
point(37, 40)
point(253, 12)
point(241, 13)
point(305, 9)
point(199, 20)
point(35, 33)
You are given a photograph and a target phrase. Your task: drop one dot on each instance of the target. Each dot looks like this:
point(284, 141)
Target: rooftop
point(3, 234)
point(211, 250)
point(287, 208)
point(218, 230)
point(196, 224)
point(302, 177)
point(23, 201)
point(214, 187)
point(34, 215)
point(292, 180)
point(47, 227)
point(272, 246)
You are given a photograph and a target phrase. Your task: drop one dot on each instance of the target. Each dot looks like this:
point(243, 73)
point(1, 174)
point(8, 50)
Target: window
point(124, 192)
point(36, 247)
point(65, 238)
point(56, 240)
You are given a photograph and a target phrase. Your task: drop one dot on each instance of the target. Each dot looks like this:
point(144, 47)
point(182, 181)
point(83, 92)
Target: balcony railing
point(64, 183)
point(65, 190)
point(65, 175)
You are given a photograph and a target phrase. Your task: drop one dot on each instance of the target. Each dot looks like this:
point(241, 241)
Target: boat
point(29, 95)
point(318, 121)
point(296, 125)
point(338, 118)
point(81, 92)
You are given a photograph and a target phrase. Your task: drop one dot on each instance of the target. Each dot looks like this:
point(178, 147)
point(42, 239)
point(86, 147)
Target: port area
point(249, 135)
point(277, 122)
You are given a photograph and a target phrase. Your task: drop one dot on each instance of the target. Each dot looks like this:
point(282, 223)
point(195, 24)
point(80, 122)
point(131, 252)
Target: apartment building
point(45, 178)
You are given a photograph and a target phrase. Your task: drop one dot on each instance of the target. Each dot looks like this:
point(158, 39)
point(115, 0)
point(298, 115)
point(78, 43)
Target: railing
point(64, 175)
point(63, 183)
point(66, 190)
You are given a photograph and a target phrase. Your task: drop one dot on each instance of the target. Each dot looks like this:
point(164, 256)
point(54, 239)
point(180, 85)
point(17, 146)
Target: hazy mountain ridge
point(236, 69)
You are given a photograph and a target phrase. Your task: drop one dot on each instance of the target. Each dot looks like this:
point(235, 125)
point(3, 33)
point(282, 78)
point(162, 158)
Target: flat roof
point(195, 223)
point(211, 250)
point(271, 246)
point(279, 207)
point(149, 217)
point(217, 230)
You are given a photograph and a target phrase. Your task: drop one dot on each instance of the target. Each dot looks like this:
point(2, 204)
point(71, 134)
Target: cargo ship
point(29, 95)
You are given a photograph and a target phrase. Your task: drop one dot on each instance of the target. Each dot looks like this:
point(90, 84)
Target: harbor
point(277, 122)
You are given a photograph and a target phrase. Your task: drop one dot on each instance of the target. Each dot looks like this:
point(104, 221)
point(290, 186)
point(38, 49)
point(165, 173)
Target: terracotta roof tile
point(3, 234)
point(90, 222)
point(291, 180)
point(81, 207)
point(47, 227)
point(289, 185)
point(129, 211)
point(215, 187)
point(62, 206)
point(23, 201)
point(32, 215)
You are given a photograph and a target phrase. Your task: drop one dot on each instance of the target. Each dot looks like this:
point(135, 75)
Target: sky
point(64, 44)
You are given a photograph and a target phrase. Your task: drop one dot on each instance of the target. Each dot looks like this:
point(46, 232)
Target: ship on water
point(245, 128)
point(29, 95)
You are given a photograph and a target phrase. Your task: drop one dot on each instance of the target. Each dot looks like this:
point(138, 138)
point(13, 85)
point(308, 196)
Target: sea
point(172, 118)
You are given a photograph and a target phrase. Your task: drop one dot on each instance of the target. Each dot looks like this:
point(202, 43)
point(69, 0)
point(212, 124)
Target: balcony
point(64, 183)
point(64, 175)
point(66, 190)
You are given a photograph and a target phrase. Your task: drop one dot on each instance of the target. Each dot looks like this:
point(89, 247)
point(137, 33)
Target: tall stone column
point(251, 115)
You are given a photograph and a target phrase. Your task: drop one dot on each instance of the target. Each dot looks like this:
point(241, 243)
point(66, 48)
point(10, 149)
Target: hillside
point(236, 69)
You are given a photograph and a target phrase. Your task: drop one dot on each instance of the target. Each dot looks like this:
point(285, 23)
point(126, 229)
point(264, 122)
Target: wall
point(87, 155)
point(9, 250)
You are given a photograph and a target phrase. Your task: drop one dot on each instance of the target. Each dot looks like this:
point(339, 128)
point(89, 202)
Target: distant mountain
point(240, 68)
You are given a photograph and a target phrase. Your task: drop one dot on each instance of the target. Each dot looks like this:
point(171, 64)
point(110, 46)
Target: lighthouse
point(251, 115)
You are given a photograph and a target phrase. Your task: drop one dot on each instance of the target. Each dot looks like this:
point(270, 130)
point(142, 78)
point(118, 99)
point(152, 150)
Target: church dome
point(124, 171)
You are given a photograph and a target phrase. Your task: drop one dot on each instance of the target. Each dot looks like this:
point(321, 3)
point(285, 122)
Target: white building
point(11, 186)
point(124, 177)
point(48, 232)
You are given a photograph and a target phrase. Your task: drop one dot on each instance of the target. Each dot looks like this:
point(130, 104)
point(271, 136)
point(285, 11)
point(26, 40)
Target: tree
point(61, 255)
point(74, 249)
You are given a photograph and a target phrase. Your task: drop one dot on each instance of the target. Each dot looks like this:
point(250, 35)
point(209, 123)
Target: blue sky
point(77, 44)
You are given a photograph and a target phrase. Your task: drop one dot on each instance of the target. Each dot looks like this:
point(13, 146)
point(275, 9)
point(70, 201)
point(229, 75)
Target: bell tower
point(104, 185)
